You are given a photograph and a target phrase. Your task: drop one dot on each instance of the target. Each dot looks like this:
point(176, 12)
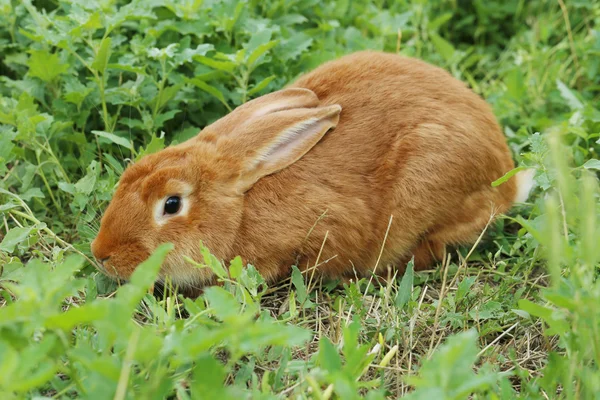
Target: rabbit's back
point(385, 97)
point(412, 142)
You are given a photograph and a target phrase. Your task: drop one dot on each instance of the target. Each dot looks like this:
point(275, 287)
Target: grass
point(87, 87)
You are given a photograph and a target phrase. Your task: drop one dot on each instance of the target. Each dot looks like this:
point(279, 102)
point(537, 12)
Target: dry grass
point(412, 334)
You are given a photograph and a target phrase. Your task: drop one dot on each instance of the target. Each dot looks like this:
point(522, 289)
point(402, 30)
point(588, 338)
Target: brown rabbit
point(312, 175)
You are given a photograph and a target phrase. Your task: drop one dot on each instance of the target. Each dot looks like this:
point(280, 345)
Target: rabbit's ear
point(274, 140)
point(285, 99)
point(232, 123)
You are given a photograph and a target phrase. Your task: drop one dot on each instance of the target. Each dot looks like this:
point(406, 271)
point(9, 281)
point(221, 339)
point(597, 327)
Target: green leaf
point(32, 193)
point(86, 184)
point(210, 90)
point(166, 95)
point(94, 22)
point(45, 66)
point(258, 38)
point(592, 164)
point(252, 280)
point(104, 366)
point(102, 56)
point(39, 376)
point(235, 267)
point(538, 144)
point(261, 85)
point(515, 85)
point(76, 315)
point(551, 375)
point(146, 272)
point(463, 287)
point(224, 305)
point(144, 275)
point(115, 139)
point(9, 364)
point(439, 21)
point(521, 313)
point(127, 68)
point(164, 53)
point(298, 282)
point(161, 118)
point(529, 227)
point(76, 92)
point(209, 379)
point(569, 96)
point(8, 206)
point(7, 135)
point(14, 237)
point(486, 311)
point(556, 322)
point(355, 354)
point(232, 19)
point(535, 309)
point(442, 46)
point(329, 359)
point(115, 165)
point(259, 52)
point(507, 176)
point(188, 54)
point(449, 372)
point(212, 262)
point(297, 44)
point(406, 285)
point(185, 134)
point(225, 66)
point(156, 144)
point(479, 383)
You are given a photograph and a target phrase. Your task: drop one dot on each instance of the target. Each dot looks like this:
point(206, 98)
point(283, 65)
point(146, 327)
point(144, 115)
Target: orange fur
point(411, 143)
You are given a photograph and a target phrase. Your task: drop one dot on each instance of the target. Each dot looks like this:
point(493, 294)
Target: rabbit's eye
point(172, 205)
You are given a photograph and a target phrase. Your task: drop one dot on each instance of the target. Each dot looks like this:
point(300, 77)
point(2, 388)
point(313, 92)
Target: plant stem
point(161, 87)
point(48, 150)
point(40, 172)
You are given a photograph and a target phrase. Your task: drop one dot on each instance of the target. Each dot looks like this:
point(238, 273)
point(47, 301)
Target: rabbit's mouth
point(160, 290)
point(184, 278)
point(162, 287)
point(111, 272)
point(176, 274)
point(99, 265)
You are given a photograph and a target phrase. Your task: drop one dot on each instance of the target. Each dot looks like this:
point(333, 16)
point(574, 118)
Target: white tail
point(524, 185)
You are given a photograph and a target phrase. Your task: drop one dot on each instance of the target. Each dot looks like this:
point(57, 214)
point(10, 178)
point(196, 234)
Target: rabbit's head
point(195, 191)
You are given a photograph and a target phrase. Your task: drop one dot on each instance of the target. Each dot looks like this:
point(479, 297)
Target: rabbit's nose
point(100, 254)
point(99, 249)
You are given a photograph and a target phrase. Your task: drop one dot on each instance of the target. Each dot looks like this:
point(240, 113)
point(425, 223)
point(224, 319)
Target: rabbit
point(360, 165)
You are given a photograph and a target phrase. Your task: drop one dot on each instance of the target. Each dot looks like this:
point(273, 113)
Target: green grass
point(89, 86)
